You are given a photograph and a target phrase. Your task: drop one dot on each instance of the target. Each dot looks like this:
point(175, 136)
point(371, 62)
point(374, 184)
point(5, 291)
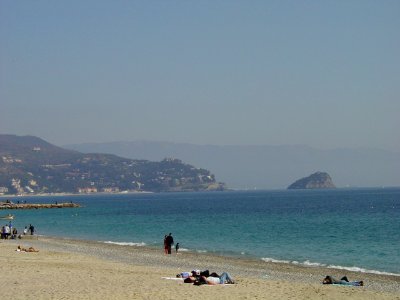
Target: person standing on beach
point(6, 231)
point(170, 242)
point(31, 229)
point(165, 245)
point(10, 226)
point(176, 248)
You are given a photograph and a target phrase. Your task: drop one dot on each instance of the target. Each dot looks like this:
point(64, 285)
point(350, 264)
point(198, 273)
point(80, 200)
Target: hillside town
point(41, 168)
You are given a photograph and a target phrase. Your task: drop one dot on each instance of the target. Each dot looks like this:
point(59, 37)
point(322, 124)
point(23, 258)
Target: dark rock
point(318, 180)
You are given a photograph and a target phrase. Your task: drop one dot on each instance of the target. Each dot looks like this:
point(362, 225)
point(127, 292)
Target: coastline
point(139, 270)
point(73, 194)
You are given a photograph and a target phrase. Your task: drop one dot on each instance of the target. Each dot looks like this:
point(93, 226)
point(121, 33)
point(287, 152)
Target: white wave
point(362, 270)
point(307, 263)
point(313, 264)
point(125, 243)
point(183, 250)
point(268, 259)
point(201, 251)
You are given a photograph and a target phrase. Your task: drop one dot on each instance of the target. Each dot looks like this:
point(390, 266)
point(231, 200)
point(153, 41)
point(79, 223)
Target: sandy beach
point(72, 269)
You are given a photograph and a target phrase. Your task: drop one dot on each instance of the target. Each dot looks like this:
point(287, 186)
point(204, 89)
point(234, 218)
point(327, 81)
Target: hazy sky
point(320, 73)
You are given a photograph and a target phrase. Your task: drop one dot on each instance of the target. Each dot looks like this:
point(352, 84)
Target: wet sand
point(75, 269)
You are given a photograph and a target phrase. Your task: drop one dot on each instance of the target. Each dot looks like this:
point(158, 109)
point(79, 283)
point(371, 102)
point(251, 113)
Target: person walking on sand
point(176, 248)
point(170, 242)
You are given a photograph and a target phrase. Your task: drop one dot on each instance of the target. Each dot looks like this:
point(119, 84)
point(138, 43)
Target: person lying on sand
point(198, 277)
point(214, 279)
point(194, 273)
point(30, 249)
point(225, 278)
point(184, 275)
point(343, 281)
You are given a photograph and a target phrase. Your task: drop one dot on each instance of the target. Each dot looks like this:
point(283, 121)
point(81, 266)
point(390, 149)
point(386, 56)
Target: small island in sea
point(318, 180)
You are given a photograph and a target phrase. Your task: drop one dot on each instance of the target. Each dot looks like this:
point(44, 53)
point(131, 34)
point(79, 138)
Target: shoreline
point(306, 264)
point(247, 271)
point(283, 189)
point(72, 194)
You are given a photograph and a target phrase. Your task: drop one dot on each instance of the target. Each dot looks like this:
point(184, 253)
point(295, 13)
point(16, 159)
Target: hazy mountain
point(30, 165)
point(267, 166)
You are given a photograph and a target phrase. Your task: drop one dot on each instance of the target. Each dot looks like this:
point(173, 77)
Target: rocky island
point(318, 180)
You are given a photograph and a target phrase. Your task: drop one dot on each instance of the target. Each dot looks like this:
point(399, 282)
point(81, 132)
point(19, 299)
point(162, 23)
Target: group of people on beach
point(198, 277)
point(168, 243)
point(8, 231)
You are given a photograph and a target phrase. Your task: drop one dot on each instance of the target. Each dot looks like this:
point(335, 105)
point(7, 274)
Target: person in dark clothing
point(165, 245)
point(343, 281)
point(169, 241)
point(31, 229)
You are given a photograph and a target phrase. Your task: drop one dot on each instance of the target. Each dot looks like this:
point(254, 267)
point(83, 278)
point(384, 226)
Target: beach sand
point(72, 269)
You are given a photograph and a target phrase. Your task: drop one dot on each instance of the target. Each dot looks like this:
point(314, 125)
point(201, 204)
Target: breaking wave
point(126, 243)
point(308, 263)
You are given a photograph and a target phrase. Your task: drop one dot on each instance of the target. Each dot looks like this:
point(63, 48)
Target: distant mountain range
point(267, 167)
point(30, 165)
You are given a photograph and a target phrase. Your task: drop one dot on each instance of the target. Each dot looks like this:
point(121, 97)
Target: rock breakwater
point(10, 205)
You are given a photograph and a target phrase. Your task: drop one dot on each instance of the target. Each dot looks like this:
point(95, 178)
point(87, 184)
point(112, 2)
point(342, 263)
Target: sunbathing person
point(30, 249)
point(343, 281)
point(213, 279)
point(184, 275)
point(198, 277)
point(195, 274)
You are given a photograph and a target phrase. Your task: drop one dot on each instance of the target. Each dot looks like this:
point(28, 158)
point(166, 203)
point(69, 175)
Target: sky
point(320, 73)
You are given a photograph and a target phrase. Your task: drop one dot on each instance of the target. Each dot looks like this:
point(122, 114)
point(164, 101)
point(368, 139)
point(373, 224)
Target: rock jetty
point(11, 205)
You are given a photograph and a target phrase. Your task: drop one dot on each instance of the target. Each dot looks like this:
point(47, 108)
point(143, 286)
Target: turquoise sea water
point(351, 229)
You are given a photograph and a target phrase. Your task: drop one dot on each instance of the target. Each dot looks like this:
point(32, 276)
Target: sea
point(351, 229)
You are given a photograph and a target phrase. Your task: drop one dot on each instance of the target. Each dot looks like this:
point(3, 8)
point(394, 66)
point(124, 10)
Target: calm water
point(353, 229)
